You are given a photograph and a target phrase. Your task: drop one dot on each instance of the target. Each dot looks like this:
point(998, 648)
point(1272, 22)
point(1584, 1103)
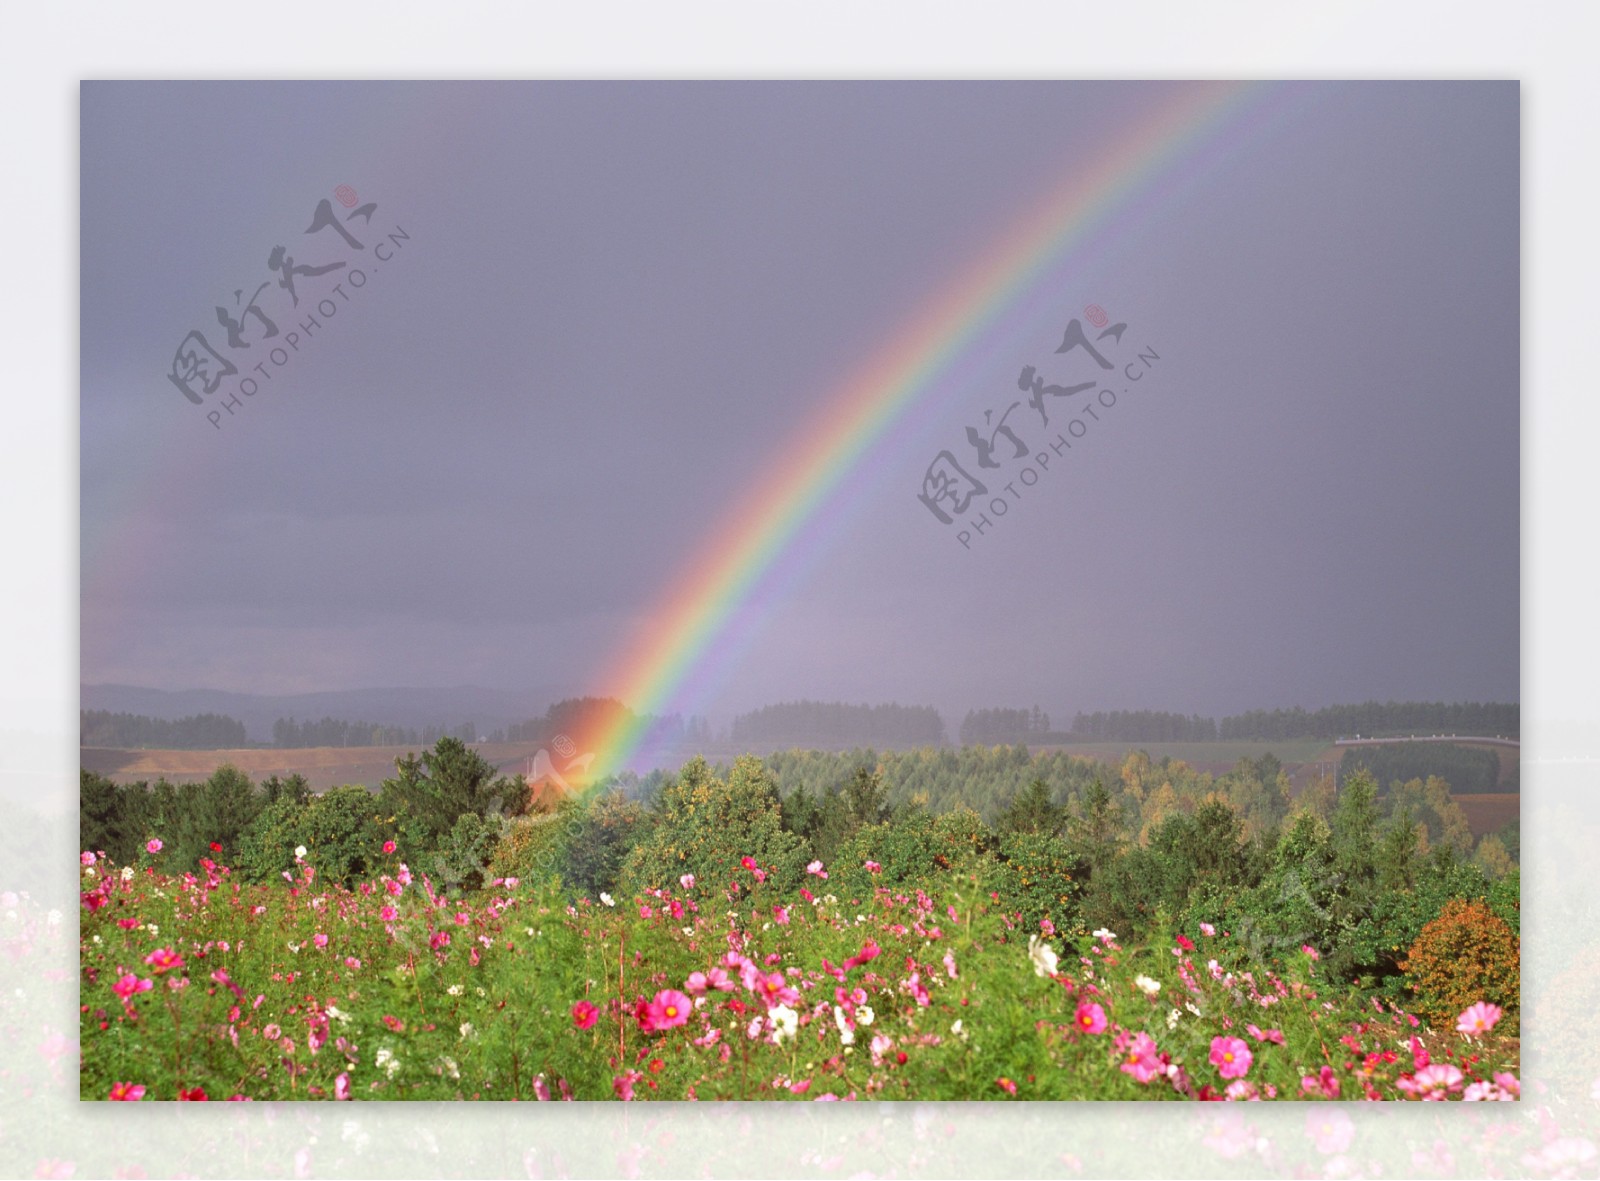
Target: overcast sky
point(616, 305)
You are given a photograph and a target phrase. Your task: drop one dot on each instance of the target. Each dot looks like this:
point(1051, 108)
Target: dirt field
point(1488, 813)
point(323, 766)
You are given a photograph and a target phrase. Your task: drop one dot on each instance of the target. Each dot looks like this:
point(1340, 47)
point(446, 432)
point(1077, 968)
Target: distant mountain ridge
point(489, 708)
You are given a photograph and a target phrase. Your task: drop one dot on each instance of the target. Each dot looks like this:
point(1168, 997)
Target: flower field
point(195, 987)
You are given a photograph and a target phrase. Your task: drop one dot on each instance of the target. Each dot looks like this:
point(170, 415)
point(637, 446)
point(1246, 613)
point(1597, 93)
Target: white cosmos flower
point(864, 1015)
point(299, 850)
point(1042, 955)
point(127, 873)
point(466, 1029)
point(455, 990)
point(1147, 986)
point(1172, 1018)
point(958, 1030)
point(846, 1034)
point(785, 1022)
point(1102, 933)
point(607, 899)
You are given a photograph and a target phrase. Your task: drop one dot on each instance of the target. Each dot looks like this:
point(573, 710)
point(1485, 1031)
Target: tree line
point(98, 727)
point(1467, 769)
point(1372, 719)
point(802, 723)
point(991, 726)
point(1143, 725)
point(290, 734)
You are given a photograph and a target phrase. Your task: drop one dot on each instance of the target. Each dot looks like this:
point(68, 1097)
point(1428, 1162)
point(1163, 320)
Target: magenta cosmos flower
point(153, 845)
point(584, 1014)
point(129, 984)
point(388, 846)
point(669, 1009)
point(1091, 1018)
point(126, 1092)
point(163, 959)
point(1479, 1018)
point(1231, 1056)
point(388, 914)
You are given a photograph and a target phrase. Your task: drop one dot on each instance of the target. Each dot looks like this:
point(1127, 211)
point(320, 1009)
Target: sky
point(609, 310)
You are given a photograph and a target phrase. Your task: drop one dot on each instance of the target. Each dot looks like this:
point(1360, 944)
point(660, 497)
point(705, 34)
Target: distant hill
point(490, 709)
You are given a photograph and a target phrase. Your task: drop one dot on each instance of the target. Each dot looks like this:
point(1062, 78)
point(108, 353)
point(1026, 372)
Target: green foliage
point(1034, 811)
point(338, 829)
point(597, 841)
point(532, 847)
point(1377, 943)
point(1465, 768)
point(435, 790)
point(1038, 877)
point(458, 863)
point(704, 825)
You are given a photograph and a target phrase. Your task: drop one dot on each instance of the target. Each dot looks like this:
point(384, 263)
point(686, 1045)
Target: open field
point(323, 766)
point(1488, 812)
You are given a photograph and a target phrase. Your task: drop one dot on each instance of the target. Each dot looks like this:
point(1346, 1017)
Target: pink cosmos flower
point(439, 939)
point(126, 1092)
point(950, 964)
point(163, 959)
point(86, 858)
point(153, 845)
point(645, 912)
point(1479, 1018)
point(341, 1086)
point(1310, 951)
point(1006, 1085)
point(1091, 1018)
point(1231, 1056)
point(780, 915)
point(1049, 928)
point(623, 1084)
point(687, 881)
point(1434, 1081)
point(130, 984)
point(388, 846)
point(351, 962)
point(1185, 942)
point(918, 990)
point(669, 1009)
point(320, 940)
point(584, 1015)
point(1207, 930)
point(1141, 1059)
point(1323, 1083)
point(696, 984)
point(776, 990)
point(403, 874)
point(869, 952)
point(718, 979)
point(1268, 1035)
point(388, 914)
point(873, 867)
point(815, 869)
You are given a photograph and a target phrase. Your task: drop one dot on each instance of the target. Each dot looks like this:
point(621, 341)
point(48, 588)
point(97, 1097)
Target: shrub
point(1465, 955)
point(1038, 876)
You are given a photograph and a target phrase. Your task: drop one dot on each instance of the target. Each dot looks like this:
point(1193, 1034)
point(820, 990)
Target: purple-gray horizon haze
point(615, 306)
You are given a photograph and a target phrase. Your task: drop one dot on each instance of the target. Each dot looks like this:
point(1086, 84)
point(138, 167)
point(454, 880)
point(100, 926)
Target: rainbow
point(719, 586)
